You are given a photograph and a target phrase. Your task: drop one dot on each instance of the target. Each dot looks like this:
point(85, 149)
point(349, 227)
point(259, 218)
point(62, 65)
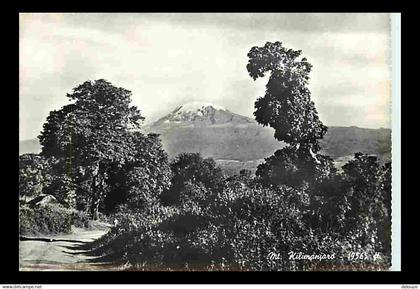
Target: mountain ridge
point(234, 139)
point(201, 113)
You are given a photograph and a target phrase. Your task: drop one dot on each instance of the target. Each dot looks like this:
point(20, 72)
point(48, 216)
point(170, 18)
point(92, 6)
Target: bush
point(140, 181)
point(192, 168)
point(238, 223)
point(47, 219)
point(294, 166)
point(138, 238)
point(63, 190)
point(34, 175)
point(81, 219)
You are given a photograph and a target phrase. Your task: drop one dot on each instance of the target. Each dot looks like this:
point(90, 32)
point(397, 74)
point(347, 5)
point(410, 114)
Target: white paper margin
point(396, 141)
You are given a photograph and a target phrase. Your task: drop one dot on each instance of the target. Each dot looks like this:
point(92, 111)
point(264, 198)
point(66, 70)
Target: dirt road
point(61, 253)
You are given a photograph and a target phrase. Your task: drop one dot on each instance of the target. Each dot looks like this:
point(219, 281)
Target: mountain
point(201, 114)
point(237, 141)
point(217, 132)
point(214, 132)
point(342, 141)
point(29, 146)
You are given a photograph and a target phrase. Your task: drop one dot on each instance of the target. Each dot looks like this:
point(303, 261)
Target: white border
point(396, 141)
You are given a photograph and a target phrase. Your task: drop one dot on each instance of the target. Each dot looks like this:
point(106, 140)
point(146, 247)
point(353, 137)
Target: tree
point(192, 168)
point(368, 194)
point(384, 214)
point(295, 167)
point(62, 188)
point(141, 181)
point(34, 175)
point(92, 133)
point(287, 107)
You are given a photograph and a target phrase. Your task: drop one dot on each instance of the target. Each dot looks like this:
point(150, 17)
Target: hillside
point(217, 132)
point(343, 141)
point(29, 146)
point(236, 141)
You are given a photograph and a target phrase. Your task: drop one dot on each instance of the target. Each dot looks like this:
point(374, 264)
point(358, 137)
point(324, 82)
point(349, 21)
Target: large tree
point(91, 134)
point(191, 169)
point(139, 183)
point(287, 107)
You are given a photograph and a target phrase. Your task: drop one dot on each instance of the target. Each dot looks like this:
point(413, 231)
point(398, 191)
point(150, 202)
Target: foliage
point(137, 238)
point(383, 219)
point(90, 134)
point(192, 168)
point(141, 181)
point(239, 225)
point(63, 190)
point(369, 196)
point(287, 105)
point(294, 166)
point(256, 221)
point(47, 219)
point(94, 127)
point(81, 219)
point(34, 175)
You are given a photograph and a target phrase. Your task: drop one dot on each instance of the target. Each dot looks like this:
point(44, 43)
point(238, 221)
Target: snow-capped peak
point(198, 106)
point(195, 111)
point(201, 113)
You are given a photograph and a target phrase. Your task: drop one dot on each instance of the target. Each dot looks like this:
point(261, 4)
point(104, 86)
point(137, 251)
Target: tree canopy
point(94, 127)
point(189, 169)
point(287, 105)
point(91, 135)
point(34, 175)
point(139, 183)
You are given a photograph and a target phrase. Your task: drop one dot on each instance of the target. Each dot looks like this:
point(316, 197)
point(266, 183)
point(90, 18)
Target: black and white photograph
point(207, 142)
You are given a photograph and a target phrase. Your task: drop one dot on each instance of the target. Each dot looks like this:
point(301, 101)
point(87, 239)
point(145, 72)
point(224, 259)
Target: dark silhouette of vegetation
point(97, 132)
point(91, 134)
point(191, 168)
point(140, 182)
point(48, 219)
point(287, 105)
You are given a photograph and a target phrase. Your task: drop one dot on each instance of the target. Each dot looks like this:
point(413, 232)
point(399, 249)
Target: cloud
point(166, 60)
point(305, 22)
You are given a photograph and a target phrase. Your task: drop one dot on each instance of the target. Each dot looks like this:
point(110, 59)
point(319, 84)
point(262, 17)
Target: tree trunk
point(95, 209)
point(98, 193)
point(94, 204)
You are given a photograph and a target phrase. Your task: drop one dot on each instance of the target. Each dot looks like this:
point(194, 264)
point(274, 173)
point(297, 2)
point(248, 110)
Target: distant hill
point(29, 146)
point(237, 141)
point(343, 141)
point(217, 132)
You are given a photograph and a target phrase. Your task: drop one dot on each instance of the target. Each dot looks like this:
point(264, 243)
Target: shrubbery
point(238, 225)
point(81, 219)
point(46, 219)
point(34, 175)
point(51, 219)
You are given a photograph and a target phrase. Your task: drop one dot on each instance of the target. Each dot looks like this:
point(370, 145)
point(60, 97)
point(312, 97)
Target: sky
point(170, 59)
